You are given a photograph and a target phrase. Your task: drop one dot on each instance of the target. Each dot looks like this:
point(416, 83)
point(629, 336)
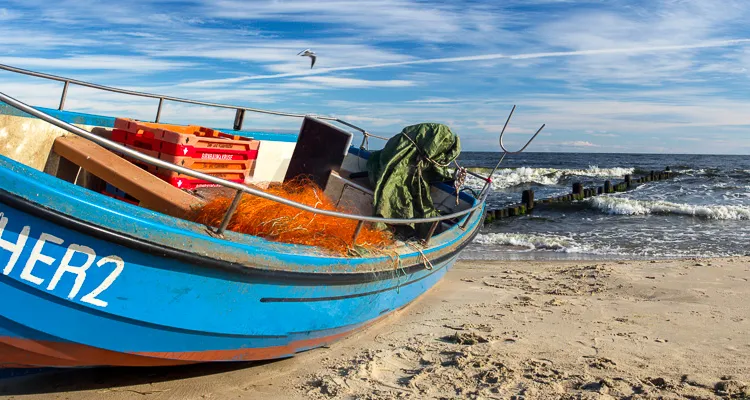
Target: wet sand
point(496, 330)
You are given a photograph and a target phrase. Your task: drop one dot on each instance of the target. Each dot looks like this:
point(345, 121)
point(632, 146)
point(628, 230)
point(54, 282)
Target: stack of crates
point(209, 151)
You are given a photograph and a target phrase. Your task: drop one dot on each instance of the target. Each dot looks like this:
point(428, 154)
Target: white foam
point(693, 172)
point(623, 206)
point(505, 178)
point(532, 242)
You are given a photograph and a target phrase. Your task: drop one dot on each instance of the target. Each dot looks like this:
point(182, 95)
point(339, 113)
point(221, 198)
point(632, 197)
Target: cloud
point(399, 20)
point(434, 100)
point(142, 65)
point(7, 15)
point(22, 41)
point(330, 81)
point(602, 134)
point(499, 56)
point(579, 143)
point(650, 24)
point(623, 71)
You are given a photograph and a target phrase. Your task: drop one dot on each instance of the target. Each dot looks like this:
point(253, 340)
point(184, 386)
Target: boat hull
point(73, 299)
point(87, 280)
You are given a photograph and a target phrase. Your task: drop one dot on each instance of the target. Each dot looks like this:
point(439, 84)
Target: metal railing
point(239, 117)
point(240, 110)
point(240, 188)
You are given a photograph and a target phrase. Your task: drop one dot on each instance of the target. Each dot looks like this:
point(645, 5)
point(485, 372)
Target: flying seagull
point(308, 53)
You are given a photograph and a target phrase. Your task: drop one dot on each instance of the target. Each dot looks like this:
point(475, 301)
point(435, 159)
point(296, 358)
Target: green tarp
point(401, 172)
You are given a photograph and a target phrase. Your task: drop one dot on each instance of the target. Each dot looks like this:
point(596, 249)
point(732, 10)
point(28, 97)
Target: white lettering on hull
point(67, 265)
point(36, 255)
point(119, 266)
point(16, 248)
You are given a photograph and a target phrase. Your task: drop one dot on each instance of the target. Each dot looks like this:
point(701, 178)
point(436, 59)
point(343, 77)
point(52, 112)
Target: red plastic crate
point(188, 183)
point(119, 136)
point(203, 149)
point(204, 165)
point(230, 175)
point(186, 141)
point(171, 133)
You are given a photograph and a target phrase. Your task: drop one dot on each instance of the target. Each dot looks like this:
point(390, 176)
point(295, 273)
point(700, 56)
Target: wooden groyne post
point(578, 193)
point(527, 199)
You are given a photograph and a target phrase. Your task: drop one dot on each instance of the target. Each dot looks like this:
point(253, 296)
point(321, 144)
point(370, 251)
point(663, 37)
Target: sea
point(704, 211)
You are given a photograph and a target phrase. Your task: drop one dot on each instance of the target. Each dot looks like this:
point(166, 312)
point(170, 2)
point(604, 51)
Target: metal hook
point(506, 151)
point(502, 133)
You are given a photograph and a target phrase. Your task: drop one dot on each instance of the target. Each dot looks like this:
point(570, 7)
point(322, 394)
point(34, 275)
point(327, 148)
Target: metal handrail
point(68, 81)
point(233, 185)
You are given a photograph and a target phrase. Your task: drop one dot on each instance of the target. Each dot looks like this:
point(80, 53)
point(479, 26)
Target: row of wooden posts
point(578, 193)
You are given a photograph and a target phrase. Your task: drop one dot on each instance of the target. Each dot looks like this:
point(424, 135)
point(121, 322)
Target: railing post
point(239, 118)
point(468, 218)
point(230, 212)
point(64, 94)
point(158, 110)
point(356, 232)
point(431, 232)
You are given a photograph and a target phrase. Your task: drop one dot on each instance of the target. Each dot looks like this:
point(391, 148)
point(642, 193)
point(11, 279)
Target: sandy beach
point(496, 330)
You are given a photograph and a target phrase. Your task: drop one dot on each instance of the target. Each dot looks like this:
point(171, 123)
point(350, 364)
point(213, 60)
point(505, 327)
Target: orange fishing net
point(273, 221)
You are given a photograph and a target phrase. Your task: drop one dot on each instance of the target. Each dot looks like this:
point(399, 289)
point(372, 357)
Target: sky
point(661, 76)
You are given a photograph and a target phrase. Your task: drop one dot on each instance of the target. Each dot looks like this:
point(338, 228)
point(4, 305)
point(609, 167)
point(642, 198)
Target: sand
point(497, 330)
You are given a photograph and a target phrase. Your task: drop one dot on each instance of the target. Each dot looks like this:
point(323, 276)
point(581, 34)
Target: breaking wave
point(505, 178)
point(711, 172)
point(623, 206)
point(532, 242)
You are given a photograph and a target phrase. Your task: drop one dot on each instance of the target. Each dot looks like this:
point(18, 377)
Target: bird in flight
point(308, 53)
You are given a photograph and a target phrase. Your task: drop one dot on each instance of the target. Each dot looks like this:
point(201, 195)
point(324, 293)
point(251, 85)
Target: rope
point(424, 156)
point(425, 261)
point(375, 136)
point(459, 176)
point(397, 267)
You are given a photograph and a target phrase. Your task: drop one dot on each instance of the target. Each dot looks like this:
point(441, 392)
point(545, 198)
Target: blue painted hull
point(87, 280)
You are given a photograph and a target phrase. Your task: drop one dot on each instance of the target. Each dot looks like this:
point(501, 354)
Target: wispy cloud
point(610, 74)
point(355, 83)
point(401, 20)
point(579, 143)
point(6, 15)
point(96, 62)
point(500, 56)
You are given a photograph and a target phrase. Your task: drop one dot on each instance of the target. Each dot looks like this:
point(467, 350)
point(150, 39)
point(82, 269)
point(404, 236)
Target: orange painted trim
point(25, 353)
point(15, 366)
point(41, 353)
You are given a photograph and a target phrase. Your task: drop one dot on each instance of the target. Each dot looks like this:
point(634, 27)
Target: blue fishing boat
point(90, 280)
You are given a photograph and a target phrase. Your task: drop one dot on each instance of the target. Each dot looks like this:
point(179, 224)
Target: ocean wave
point(623, 206)
point(532, 242)
point(712, 172)
point(505, 178)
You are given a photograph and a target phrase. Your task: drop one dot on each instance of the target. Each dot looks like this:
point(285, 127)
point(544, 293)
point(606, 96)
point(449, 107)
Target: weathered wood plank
point(153, 193)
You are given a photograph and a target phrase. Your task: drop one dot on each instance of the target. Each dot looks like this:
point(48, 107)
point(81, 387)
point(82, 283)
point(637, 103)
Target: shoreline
point(517, 254)
point(673, 328)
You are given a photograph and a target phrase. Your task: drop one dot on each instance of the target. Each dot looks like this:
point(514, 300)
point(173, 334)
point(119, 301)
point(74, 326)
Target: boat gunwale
point(247, 271)
point(240, 188)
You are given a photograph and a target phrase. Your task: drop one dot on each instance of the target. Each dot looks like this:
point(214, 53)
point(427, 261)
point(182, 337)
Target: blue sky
point(605, 76)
